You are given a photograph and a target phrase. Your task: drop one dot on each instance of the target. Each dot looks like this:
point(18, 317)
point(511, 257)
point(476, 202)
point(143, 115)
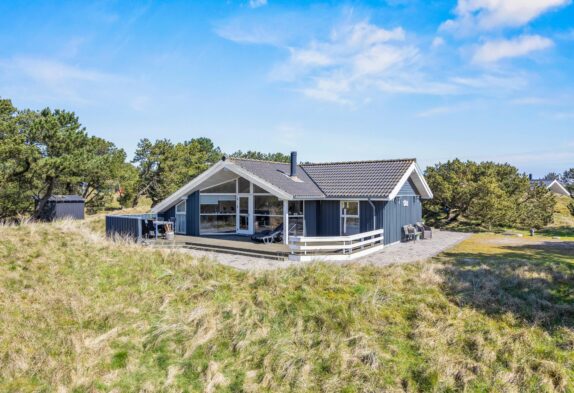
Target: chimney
point(293, 164)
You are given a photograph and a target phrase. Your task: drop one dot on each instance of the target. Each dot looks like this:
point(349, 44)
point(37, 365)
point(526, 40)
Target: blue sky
point(475, 79)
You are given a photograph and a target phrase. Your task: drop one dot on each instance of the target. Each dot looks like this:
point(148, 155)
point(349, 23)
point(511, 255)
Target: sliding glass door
point(244, 214)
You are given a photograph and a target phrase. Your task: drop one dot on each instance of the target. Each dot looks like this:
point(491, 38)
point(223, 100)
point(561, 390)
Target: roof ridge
point(256, 160)
point(358, 162)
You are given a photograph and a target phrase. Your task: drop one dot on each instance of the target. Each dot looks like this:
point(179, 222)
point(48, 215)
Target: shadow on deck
point(230, 244)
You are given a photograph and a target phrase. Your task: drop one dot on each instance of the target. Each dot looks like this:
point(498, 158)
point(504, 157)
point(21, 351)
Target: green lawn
point(77, 312)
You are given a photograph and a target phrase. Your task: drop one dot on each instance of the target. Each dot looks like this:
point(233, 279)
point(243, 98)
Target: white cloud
point(50, 80)
point(437, 42)
point(493, 51)
point(53, 72)
point(483, 15)
point(354, 56)
point(439, 110)
point(257, 3)
point(530, 101)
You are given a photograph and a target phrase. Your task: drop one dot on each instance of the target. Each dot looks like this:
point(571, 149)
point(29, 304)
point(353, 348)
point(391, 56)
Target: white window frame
point(182, 203)
point(343, 215)
point(302, 215)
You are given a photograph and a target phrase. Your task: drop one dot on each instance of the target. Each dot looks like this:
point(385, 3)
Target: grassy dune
point(81, 314)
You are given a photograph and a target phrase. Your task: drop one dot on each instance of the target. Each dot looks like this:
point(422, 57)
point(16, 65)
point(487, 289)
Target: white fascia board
point(425, 185)
point(186, 189)
point(183, 191)
point(563, 189)
point(258, 181)
point(419, 181)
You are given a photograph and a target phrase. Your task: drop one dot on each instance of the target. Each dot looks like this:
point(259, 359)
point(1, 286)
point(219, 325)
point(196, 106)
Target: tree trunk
point(452, 217)
point(42, 201)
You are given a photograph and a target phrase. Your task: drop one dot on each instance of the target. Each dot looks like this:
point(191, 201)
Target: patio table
point(157, 223)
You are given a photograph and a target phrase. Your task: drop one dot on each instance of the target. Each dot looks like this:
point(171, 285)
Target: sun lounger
point(269, 236)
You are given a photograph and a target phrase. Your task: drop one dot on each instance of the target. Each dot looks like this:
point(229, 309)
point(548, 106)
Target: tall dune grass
point(82, 314)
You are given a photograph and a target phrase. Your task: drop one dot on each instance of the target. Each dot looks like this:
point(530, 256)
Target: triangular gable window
point(223, 188)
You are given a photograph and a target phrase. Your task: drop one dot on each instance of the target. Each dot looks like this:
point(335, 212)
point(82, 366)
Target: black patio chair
point(269, 236)
point(150, 229)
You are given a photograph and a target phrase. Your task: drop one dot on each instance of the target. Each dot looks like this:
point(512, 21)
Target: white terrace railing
point(335, 248)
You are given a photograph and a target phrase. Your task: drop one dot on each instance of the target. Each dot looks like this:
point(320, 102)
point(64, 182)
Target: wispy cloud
point(437, 42)
point(51, 80)
point(353, 57)
point(344, 62)
point(53, 72)
point(484, 15)
point(257, 3)
point(531, 101)
point(496, 50)
point(439, 110)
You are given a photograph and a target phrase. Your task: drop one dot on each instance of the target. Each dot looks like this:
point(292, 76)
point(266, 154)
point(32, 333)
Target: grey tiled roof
point(362, 179)
point(359, 178)
point(277, 173)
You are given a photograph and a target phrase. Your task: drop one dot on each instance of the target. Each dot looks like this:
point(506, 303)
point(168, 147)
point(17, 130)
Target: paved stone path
point(396, 253)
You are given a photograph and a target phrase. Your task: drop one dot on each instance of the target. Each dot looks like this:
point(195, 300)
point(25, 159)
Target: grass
point(82, 314)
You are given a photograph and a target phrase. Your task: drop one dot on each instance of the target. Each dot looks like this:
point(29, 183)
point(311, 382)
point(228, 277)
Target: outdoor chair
point(425, 230)
point(150, 229)
point(407, 233)
point(269, 236)
point(411, 233)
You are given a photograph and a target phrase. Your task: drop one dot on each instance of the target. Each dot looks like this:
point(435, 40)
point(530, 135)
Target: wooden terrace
point(231, 244)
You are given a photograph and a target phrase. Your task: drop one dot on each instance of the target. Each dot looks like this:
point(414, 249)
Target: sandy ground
point(396, 253)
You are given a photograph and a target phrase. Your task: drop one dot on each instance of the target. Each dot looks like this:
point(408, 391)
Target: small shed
point(63, 206)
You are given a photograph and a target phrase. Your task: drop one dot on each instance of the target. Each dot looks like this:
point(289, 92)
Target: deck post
point(285, 221)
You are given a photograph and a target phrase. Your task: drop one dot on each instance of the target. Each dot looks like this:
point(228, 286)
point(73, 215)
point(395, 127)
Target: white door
point(180, 210)
point(244, 214)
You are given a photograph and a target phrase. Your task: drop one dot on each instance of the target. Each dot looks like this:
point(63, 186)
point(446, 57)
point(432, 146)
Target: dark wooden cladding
point(124, 226)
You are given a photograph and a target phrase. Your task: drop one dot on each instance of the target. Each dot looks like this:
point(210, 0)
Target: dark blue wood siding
point(329, 219)
point(192, 214)
point(408, 189)
point(395, 215)
point(366, 216)
point(391, 216)
point(74, 210)
point(311, 218)
point(123, 226)
point(168, 214)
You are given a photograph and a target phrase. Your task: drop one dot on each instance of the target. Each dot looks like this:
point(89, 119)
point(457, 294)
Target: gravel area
point(396, 253)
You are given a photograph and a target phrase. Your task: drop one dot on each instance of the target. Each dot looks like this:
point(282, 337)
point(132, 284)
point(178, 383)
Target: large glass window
point(296, 219)
point(180, 208)
point(258, 190)
point(217, 213)
point(223, 188)
point(268, 212)
point(243, 186)
point(268, 205)
point(350, 218)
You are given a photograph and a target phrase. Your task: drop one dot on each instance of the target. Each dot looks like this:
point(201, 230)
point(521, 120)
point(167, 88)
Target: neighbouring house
point(59, 207)
point(243, 196)
point(553, 185)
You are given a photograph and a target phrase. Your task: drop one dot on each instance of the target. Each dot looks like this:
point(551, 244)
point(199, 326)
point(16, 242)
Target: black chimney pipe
point(293, 163)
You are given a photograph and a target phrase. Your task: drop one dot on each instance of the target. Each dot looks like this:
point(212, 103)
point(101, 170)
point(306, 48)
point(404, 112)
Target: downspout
point(374, 214)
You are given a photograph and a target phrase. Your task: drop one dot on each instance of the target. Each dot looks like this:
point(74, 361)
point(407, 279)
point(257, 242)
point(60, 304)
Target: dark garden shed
point(63, 206)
